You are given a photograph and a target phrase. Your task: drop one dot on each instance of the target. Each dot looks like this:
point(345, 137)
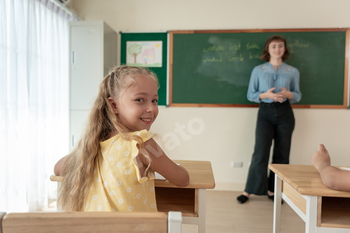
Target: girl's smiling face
point(137, 106)
point(276, 49)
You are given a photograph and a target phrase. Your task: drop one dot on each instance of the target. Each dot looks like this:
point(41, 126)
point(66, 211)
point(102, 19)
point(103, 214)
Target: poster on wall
point(144, 53)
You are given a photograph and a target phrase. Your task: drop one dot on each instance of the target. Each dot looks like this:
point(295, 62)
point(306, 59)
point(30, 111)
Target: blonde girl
point(111, 169)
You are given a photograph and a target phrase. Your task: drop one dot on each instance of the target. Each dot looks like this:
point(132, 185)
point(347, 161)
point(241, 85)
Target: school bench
point(91, 222)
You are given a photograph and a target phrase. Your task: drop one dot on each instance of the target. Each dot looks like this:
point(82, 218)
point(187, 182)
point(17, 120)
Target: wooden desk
point(322, 209)
point(190, 200)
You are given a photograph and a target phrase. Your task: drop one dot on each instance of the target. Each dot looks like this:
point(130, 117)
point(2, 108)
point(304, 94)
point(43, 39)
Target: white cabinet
point(92, 46)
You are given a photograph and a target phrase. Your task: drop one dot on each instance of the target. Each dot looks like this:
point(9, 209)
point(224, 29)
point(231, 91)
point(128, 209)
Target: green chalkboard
point(214, 67)
point(161, 71)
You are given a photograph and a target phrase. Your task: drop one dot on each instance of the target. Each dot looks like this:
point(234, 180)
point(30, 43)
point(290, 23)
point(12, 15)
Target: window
point(33, 101)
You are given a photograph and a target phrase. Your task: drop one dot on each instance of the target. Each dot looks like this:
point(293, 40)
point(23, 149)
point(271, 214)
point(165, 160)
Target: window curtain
point(33, 101)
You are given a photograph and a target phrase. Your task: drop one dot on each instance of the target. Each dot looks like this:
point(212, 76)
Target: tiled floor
point(225, 214)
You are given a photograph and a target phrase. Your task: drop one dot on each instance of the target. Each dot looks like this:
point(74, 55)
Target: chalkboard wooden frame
point(319, 106)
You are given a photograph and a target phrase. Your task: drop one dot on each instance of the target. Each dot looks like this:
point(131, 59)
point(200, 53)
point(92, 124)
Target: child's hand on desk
point(160, 162)
point(321, 158)
point(332, 177)
point(159, 176)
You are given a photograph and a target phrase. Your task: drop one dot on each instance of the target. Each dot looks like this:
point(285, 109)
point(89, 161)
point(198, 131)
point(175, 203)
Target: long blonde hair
point(102, 121)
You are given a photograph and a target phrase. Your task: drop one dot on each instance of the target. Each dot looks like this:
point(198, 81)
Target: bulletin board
point(147, 50)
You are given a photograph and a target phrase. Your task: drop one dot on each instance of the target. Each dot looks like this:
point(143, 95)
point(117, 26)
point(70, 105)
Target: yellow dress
point(118, 184)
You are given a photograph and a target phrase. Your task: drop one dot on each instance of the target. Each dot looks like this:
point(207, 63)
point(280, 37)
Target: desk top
point(201, 175)
point(305, 179)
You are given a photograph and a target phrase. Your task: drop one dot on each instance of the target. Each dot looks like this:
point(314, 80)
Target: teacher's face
point(276, 49)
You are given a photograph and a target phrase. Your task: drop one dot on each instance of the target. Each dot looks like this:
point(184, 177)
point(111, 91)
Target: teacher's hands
point(285, 93)
point(277, 97)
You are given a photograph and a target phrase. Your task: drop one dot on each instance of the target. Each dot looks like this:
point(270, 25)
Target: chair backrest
point(2, 214)
point(79, 222)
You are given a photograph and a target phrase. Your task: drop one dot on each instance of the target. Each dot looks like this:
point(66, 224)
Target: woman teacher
point(274, 85)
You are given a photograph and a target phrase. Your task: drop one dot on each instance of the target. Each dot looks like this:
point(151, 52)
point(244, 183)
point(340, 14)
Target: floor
point(225, 214)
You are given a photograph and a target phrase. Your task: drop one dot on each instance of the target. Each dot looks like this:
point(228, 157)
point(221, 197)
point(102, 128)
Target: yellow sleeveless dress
point(118, 184)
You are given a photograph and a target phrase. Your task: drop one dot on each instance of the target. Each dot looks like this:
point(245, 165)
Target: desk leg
point(277, 205)
point(201, 210)
point(311, 214)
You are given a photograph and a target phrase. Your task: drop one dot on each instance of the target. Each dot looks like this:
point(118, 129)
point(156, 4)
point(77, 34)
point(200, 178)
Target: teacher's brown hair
point(266, 56)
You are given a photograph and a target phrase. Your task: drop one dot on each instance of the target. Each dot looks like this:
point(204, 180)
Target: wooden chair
point(2, 214)
point(94, 222)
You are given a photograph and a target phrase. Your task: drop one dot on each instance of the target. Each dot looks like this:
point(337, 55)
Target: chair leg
point(174, 222)
point(2, 214)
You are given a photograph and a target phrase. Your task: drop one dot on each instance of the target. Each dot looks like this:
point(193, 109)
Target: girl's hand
point(59, 166)
point(161, 163)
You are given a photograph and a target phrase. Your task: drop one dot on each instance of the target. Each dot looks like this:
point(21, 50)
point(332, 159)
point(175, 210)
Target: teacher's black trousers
point(275, 123)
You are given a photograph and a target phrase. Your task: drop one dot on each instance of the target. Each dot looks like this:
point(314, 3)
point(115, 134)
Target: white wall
point(229, 132)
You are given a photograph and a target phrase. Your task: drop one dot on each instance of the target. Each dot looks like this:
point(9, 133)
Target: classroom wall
point(223, 135)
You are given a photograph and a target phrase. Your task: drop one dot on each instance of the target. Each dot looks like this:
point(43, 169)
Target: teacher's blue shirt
point(264, 77)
